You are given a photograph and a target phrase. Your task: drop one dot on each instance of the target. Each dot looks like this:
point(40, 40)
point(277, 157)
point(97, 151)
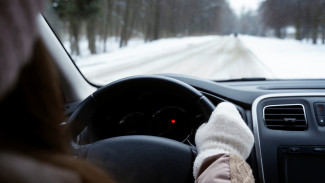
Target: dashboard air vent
point(285, 117)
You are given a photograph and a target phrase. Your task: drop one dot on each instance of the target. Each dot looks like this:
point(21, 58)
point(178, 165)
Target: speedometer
point(133, 124)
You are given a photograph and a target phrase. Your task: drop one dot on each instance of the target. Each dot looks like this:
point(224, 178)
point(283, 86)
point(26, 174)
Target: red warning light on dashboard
point(173, 121)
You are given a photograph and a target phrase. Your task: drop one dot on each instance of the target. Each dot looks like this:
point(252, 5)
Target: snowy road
point(214, 58)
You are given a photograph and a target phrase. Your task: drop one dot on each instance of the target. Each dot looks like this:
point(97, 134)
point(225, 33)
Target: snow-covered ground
point(212, 57)
point(288, 58)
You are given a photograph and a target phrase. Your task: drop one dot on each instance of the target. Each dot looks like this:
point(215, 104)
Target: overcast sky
point(237, 5)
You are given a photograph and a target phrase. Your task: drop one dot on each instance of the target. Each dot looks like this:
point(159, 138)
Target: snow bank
point(136, 50)
point(112, 44)
point(288, 58)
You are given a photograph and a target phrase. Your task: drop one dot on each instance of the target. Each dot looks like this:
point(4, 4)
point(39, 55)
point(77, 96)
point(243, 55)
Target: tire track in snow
point(227, 58)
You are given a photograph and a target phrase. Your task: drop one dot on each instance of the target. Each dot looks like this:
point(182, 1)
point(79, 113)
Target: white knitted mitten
point(225, 132)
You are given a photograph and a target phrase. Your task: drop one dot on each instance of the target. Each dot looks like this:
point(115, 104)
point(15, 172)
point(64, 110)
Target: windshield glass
point(212, 39)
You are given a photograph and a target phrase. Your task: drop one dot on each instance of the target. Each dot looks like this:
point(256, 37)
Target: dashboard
point(287, 118)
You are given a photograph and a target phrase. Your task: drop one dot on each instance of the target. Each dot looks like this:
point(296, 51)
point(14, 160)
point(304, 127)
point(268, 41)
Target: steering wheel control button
point(319, 109)
point(321, 120)
point(319, 149)
point(294, 149)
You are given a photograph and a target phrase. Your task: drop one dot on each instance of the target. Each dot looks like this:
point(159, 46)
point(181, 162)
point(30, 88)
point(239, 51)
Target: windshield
point(212, 39)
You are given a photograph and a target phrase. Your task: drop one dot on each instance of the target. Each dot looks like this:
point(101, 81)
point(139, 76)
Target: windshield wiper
point(243, 79)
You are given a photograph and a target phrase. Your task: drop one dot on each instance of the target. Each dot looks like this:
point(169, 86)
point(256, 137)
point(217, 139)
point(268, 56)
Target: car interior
point(145, 124)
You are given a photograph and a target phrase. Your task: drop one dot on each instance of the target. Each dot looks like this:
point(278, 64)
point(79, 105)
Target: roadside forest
point(98, 20)
point(306, 16)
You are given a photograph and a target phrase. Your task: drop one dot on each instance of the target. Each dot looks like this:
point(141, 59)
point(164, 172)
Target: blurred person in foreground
point(33, 146)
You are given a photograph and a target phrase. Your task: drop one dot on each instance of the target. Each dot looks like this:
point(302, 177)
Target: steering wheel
point(139, 158)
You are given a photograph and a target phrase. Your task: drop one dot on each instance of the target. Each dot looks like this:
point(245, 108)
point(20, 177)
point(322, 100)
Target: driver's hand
point(225, 132)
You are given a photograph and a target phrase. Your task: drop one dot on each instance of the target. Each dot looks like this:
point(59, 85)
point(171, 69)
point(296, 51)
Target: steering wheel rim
point(102, 152)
